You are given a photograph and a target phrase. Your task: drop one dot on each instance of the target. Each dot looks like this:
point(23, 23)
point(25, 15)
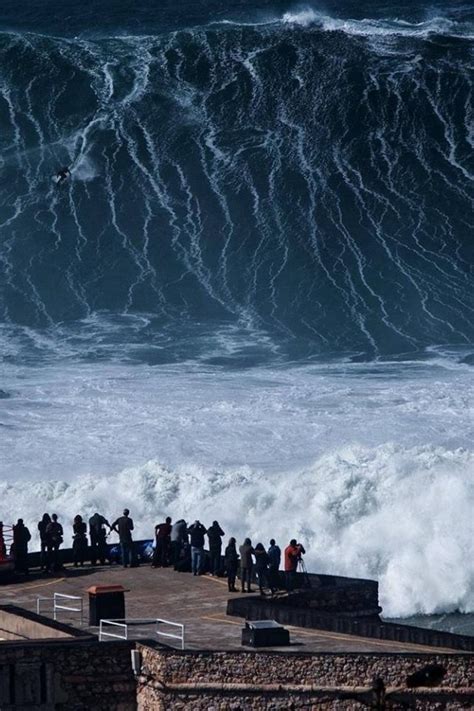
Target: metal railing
point(113, 623)
point(179, 637)
point(60, 603)
point(121, 628)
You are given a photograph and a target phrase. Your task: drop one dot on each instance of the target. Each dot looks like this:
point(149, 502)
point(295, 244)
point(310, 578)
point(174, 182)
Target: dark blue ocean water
point(257, 281)
point(299, 172)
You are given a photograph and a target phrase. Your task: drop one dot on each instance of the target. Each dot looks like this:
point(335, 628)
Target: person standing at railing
point(162, 552)
point(98, 538)
point(79, 541)
point(21, 536)
point(42, 526)
point(231, 561)
point(124, 527)
point(215, 533)
point(261, 566)
point(54, 538)
point(274, 560)
point(293, 553)
point(179, 538)
point(246, 564)
point(196, 533)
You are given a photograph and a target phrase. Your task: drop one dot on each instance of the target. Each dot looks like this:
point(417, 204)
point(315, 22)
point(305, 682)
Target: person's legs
point(43, 556)
point(94, 551)
point(200, 560)
point(125, 546)
point(175, 550)
point(102, 550)
point(194, 560)
point(216, 561)
point(273, 578)
point(249, 579)
point(49, 558)
point(243, 575)
point(54, 557)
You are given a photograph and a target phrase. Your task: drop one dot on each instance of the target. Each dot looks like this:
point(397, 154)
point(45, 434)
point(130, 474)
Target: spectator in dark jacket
point(98, 538)
point(54, 538)
point(161, 554)
point(79, 541)
point(124, 527)
point(274, 555)
point(21, 536)
point(274, 560)
point(42, 526)
point(196, 533)
point(179, 537)
point(261, 566)
point(215, 533)
point(246, 564)
point(231, 561)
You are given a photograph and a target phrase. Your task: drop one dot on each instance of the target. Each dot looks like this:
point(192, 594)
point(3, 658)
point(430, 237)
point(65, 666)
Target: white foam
point(369, 464)
point(369, 27)
point(402, 516)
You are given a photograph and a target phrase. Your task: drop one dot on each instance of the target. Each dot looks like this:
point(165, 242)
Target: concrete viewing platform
point(198, 602)
point(341, 653)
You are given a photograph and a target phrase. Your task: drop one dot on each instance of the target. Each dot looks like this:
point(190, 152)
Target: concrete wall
point(172, 680)
point(257, 608)
point(18, 624)
point(76, 675)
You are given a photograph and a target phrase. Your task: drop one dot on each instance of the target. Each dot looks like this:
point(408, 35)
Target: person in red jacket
point(293, 553)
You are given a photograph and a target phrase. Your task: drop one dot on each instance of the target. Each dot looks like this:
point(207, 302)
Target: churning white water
point(369, 464)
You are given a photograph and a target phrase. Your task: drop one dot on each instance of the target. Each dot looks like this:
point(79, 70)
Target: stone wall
point(223, 681)
point(76, 675)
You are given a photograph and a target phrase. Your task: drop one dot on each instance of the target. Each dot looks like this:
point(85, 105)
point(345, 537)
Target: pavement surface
point(198, 602)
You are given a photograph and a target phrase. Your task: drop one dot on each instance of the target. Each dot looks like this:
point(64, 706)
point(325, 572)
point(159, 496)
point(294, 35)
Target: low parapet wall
point(19, 624)
point(276, 680)
point(257, 608)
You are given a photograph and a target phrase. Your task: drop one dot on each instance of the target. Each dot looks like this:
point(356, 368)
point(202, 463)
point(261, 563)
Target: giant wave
point(255, 294)
point(312, 183)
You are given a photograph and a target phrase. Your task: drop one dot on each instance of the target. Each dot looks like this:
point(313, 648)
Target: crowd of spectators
point(177, 544)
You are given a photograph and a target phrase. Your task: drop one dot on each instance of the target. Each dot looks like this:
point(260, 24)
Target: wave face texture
point(308, 176)
point(253, 298)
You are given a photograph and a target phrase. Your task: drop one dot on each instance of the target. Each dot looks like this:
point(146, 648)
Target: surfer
point(62, 175)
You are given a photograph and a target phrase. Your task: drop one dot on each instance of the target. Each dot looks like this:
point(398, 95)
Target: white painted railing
point(112, 623)
point(62, 602)
point(119, 628)
point(179, 636)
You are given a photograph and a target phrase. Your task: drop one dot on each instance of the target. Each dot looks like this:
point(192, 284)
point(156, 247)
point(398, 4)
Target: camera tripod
point(301, 568)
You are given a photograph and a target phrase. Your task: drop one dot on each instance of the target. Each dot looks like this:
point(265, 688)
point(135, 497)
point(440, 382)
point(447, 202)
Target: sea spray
point(401, 516)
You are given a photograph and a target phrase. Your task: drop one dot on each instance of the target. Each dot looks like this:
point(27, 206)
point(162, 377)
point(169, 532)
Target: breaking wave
point(402, 516)
point(435, 26)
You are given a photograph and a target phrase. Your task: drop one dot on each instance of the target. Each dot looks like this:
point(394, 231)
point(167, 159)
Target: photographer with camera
point(293, 553)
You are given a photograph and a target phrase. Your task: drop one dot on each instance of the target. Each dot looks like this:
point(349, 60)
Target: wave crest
point(370, 27)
